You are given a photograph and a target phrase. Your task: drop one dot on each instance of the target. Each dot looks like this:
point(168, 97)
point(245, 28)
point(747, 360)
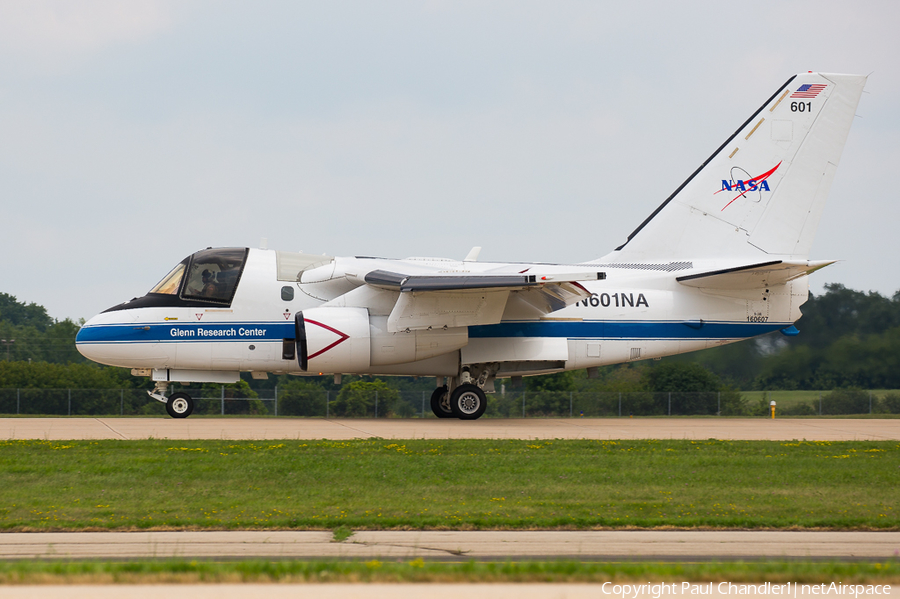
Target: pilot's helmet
point(207, 276)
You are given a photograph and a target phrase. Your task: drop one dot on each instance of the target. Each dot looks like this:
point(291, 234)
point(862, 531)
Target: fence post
point(121, 402)
point(18, 396)
point(523, 404)
point(870, 402)
point(620, 404)
point(70, 403)
point(820, 404)
point(570, 404)
point(327, 402)
point(376, 403)
point(223, 400)
point(276, 400)
point(423, 404)
point(719, 403)
point(670, 403)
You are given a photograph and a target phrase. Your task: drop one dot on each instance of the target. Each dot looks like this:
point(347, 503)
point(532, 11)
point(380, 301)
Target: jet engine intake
point(333, 340)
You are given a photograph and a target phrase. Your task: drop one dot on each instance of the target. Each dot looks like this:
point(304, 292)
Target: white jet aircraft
point(724, 258)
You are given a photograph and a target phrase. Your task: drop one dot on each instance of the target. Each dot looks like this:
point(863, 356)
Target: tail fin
point(762, 192)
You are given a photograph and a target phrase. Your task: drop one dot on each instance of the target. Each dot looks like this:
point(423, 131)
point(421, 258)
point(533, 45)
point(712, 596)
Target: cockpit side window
point(170, 283)
point(213, 274)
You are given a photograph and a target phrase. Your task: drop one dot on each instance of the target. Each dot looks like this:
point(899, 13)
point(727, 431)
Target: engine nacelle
point(412, 346)
point(338, 339)
point(333, 340)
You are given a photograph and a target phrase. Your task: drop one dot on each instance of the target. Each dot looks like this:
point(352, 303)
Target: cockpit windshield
point(213, 274)
point(169, 284)
point(209, 275)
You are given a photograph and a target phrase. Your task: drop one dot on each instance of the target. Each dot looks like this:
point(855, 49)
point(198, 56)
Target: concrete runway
point(610, 545)
point(536, 428)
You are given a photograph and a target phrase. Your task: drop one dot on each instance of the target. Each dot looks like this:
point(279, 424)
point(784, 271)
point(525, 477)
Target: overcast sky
point(135, 133)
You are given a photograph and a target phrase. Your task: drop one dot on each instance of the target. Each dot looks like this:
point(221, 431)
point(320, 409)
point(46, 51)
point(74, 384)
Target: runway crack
point(454, 552)
point(111, 428)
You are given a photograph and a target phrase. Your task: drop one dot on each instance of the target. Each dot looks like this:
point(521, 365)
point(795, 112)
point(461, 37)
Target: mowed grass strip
point(447, 484)
point(418, 570)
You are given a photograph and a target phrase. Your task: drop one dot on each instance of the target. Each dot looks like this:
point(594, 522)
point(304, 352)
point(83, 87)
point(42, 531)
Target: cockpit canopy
point(207, 277)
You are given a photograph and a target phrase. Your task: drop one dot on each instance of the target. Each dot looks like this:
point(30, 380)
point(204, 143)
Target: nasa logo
point(746, 185)
point(740, 185)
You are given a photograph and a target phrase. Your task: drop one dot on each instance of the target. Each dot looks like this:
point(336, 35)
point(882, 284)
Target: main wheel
point(468, 402)
point(180, 405)
point(440, 403)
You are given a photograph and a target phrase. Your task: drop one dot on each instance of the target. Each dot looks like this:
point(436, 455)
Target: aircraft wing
point(468, 299)
point(753, 276)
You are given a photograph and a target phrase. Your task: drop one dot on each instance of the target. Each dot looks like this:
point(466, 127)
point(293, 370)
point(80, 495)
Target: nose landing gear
point(178, 405)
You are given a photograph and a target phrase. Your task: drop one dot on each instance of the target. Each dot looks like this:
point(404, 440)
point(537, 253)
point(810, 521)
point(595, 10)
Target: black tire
point(441, 411)
point(179, 405)
point(468, 402)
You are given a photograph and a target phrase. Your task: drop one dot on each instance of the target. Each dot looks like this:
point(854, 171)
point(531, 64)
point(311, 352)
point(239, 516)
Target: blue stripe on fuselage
point(275, 331)
point(171, 332)
point(614, 329)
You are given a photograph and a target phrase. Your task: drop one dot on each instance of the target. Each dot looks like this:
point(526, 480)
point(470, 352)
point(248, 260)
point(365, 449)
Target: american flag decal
point(808, 90)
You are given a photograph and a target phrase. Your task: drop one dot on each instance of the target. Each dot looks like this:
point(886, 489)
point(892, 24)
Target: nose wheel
point(179, 405)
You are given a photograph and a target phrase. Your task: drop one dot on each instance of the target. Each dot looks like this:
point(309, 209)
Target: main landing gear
point(178, 405)
point(466, 401)
point(440, 402)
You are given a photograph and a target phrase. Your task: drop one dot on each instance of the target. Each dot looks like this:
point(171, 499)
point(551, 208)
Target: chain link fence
point(390, 403)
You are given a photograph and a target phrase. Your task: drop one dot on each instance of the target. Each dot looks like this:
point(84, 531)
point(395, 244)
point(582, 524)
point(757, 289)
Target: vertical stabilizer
point(762, 192)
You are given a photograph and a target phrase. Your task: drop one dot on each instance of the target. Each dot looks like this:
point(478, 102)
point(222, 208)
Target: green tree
point(846, 401)
point(694, 389)
point(17, 313)
point(299, 396)
point(239, 399)
point(681, 378)
point(357, 399)
point(548, 394)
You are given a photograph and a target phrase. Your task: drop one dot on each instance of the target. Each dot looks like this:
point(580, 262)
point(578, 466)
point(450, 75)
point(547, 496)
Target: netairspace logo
point(788, 589)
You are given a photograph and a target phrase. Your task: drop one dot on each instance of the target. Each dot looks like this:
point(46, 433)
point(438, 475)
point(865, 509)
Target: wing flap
point(753, 276)
point(468, 299)
point(446, 309)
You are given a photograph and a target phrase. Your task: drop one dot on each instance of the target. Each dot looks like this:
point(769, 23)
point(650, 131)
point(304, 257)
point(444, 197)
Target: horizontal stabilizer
point(753, 276)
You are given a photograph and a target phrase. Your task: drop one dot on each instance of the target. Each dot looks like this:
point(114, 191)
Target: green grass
point(447, 484)
point(784, 399)
point(418, 570)
point(341, 534)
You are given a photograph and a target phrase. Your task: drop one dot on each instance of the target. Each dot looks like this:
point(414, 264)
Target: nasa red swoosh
point(343, 337)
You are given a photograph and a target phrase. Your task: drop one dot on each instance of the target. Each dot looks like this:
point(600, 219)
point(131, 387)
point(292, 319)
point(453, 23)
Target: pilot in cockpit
point(209, 289)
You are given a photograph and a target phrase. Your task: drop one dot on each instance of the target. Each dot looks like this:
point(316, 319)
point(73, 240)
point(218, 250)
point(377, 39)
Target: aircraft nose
point(83, 338)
